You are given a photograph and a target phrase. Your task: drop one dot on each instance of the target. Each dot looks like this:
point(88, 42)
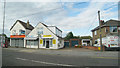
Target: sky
point(80, 17)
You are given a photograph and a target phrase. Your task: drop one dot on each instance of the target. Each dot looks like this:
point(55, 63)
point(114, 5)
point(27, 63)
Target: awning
point(31, 38)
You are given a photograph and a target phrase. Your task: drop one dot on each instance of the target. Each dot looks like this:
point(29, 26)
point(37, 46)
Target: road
point(17, 58)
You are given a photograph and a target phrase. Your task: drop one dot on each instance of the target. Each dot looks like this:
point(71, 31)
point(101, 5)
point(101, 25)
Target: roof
point(24, 25)
point(108, 23)
point(56, 28)
point(50, 30)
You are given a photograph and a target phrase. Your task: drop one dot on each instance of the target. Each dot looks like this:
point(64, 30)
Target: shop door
point(13, 42)
point(47, 44)
point(21, 43)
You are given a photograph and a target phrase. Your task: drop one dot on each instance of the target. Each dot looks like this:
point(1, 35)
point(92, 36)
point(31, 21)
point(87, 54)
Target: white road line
point(44, 62)
point(21, 59)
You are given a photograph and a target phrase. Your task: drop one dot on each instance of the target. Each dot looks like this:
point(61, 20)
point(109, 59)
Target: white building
point(86, 42)
point(43, 36)
point(18, 32)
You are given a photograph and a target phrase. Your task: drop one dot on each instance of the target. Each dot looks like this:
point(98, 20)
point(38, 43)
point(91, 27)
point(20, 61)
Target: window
point(95, 32)
point(21, 32)
point(113, 29)
point(96, 42)
point(36, 42)
point(40, 30)
point(50, 43)
point(32, 42)
point(14, 32)
point(28, 42)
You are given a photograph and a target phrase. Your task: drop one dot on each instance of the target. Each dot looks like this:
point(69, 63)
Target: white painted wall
point(16, 27)
point(46, 31)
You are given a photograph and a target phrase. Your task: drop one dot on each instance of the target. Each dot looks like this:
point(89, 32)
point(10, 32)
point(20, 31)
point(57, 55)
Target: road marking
point(21, 59)
point(44, 62)
point(106, 57)
point(29, 51)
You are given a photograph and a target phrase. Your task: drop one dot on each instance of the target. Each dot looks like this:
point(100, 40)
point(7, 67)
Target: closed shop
point(15, 42)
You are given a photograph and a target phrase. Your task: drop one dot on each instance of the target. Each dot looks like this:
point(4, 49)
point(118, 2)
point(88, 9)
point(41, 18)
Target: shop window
point(50, 43)
point(113, 29)
point(32, 42)
point(28, 42)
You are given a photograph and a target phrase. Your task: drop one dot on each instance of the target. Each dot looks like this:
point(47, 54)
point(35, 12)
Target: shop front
point(32, 42)
point(17, 40)
point(47, 41)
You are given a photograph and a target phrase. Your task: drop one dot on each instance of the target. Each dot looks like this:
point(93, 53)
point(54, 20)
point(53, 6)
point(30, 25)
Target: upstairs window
point(14, 32)
point(95, 32)
point(21, 32)
point(113, 29)
point(40, 30)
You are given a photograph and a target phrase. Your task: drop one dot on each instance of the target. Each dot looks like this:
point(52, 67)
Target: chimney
point(28, 24)
point(102, 22)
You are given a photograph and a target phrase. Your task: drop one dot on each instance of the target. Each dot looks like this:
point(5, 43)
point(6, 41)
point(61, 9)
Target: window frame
point(112, 27)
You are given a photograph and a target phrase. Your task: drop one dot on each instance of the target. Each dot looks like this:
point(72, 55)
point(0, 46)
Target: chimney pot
point(28, 24)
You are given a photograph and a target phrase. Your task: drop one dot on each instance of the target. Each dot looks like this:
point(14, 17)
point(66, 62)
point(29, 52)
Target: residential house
point(18, 32)
point(110, 27)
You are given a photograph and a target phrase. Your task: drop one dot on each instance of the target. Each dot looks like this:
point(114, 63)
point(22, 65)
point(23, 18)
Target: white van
point(109, 42)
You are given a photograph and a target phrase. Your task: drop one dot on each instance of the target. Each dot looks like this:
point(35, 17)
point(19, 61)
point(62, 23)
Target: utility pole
point(3, 21)
point(101, 47)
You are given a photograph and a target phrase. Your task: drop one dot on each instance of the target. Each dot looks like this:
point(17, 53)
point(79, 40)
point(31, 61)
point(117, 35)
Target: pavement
point(63, 57)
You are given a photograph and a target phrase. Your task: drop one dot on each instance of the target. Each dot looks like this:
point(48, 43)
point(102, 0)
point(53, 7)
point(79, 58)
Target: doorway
point(47, 44)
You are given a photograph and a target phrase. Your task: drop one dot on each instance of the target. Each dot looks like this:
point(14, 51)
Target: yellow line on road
point(107, 57)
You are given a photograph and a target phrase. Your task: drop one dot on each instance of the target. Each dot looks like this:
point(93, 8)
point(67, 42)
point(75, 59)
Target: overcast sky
point(80, 17)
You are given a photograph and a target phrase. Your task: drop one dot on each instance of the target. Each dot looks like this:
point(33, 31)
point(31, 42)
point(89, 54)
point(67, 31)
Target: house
point(18, 32)
point(110, 27)
point(43, 36)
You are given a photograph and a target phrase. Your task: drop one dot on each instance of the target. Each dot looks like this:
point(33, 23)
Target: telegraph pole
point(101, 47)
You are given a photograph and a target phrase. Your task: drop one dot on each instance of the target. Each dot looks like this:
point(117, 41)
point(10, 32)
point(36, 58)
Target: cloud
point(58, 14)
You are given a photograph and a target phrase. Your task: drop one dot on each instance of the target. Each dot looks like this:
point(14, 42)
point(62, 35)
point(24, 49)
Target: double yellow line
point(107, 57)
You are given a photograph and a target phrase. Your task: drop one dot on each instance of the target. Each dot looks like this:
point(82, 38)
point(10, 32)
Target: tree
point(69, 36)
point(86, 37)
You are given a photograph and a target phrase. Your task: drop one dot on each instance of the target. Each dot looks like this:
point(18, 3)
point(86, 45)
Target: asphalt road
point(15, 58)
